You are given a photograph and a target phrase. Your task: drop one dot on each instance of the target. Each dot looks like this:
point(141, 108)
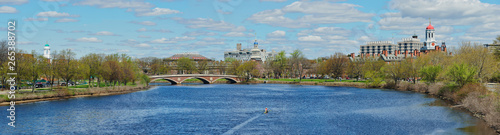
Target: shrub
point(435, 88)
point(460, 94)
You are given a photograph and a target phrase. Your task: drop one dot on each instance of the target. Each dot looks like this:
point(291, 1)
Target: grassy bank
point(65, 93)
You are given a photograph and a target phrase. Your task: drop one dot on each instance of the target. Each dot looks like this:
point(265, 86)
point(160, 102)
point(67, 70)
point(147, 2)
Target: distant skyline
point(161, 28)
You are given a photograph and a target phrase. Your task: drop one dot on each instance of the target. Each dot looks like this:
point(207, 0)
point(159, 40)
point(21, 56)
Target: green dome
point(46, 44)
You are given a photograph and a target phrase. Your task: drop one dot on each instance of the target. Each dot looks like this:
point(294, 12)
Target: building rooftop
point(193, 56)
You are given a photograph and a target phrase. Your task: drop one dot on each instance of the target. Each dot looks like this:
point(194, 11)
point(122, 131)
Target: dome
point(430, 27)
point(46, 44)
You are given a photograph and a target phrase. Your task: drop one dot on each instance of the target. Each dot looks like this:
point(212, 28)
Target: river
point(238, 109)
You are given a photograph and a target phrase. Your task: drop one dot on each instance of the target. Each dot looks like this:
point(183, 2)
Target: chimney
point(396, 53)
point(378, 54)
point(415, 52)
point(444, 49)
point(361, 55)
point(406, 53)
point(436, 47)
point(450, 53)
point(238, 46)
point(352, 55)
point(411, 55)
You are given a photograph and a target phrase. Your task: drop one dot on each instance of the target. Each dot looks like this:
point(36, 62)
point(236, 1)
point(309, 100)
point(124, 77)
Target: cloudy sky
point(162, 28)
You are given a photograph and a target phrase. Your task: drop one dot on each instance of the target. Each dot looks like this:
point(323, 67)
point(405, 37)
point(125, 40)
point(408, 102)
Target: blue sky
point(161, 28)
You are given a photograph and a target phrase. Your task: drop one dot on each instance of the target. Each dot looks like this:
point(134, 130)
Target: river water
point(238, 109)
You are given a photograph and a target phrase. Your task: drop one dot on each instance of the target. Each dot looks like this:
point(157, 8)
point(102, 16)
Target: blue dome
point(255, 43)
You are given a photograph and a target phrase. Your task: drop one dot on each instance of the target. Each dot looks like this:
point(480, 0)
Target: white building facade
point(250, 54)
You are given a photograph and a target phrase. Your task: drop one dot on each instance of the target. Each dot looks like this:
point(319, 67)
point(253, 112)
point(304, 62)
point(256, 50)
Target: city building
point(250, 53)
point(407, 48)
point(430, 41)
point(410, 44)
point(376, 47)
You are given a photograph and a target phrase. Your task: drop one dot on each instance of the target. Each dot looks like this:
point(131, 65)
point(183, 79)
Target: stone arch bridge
point(205, 78)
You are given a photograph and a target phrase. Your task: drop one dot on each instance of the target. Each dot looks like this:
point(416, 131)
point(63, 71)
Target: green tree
point(395, 71)
point(355, 69)
point(461, 74)
point(186, 65)
point(279, 64)
point(67, 66)
point(248, 69)
point(430, 73)
point(93, 61)
point(202, 66)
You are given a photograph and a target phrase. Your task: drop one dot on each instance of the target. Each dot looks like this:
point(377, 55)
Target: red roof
point(429, 27)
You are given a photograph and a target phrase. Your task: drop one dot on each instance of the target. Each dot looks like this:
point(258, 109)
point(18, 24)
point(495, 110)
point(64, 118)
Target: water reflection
point(221, 108)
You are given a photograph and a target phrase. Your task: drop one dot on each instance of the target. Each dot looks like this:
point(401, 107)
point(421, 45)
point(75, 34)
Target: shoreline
point(107, 92)
point(451, 104)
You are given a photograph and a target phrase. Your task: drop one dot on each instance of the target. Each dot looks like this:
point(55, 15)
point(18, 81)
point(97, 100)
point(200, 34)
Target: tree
point(4, 67)
point(67, 66)
point(94, 62)
point(186, 65)
point(478, 57)
point(248, 69)
point(430, 73)
point(461, 74)
point(233, 67)
point(294, 61)
point(279, 64)
point(202, 66)
point(337, 64)
point(395, 71)
point(355, 69)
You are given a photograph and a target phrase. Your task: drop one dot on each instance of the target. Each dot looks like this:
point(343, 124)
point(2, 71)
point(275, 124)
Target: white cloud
point(144, 45)
point(147, 23)
point(310, 38)
point(277, 33)
point(135, 4)
point(325, 31)
point(13, 2)
point(158, 11)
point(238, 34)
point(199, 33)
point(86, 39)
point(171, 40)
point(315, 13)
point(209, 24)
point(7, 9)
point(276, 18)
point(55, 14)
point(153, 30)
point(104, 33)
point(66, 20)
point(36, 19)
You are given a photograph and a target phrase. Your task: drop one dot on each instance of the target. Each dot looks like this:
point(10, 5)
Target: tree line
point(111, 69)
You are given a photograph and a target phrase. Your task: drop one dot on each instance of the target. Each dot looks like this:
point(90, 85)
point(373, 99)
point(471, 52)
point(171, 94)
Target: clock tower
point(430, 41)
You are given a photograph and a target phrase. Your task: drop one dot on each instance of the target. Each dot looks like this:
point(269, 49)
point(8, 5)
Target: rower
point(266, 110)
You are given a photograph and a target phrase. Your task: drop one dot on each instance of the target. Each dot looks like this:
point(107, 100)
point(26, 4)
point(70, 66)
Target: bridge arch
point(205, 81)
point(231, 80)
point(173, 82)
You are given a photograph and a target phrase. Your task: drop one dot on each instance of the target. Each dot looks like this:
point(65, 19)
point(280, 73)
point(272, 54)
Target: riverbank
point(474, 98)
point(61, 94)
